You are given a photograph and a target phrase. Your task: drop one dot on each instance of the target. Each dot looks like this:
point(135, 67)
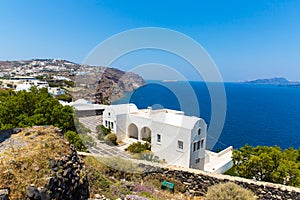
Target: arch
point(145, 133)
point(133, 131)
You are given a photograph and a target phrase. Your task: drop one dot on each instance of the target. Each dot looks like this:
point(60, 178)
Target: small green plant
point(111, 139)
point(229, 190)
point(138, 147)
point(102, 131)
point(87, 140)
point(74, 138)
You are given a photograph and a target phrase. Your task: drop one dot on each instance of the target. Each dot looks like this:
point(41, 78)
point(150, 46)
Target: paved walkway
point(102, 148)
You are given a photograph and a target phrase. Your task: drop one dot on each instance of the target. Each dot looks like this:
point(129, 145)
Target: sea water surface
point(255, 115)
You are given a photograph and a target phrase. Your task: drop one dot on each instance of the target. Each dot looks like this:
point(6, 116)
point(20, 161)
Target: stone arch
point(145, 133)
point(133, 131)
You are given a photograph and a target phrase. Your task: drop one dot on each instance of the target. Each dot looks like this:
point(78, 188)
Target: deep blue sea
point(255, 115)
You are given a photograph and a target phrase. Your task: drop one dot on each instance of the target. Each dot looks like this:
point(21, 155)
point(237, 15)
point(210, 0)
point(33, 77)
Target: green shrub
point(230, 191)
point(87, 140)
point(138, 147)
point(74, 138)
point(111, 139)
point(102, 131)
point(64, 97)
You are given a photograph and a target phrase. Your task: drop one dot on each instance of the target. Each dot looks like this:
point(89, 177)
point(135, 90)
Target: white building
point(178, 139)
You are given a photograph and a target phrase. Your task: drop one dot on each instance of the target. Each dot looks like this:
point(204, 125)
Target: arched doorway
point(146, 134)
point(133, 131)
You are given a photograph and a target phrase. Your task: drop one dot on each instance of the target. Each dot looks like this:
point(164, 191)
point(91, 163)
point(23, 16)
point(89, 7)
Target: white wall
point(110, 116)
point(199, 153)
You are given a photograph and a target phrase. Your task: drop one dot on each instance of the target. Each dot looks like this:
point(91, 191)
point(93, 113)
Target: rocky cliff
point(105, 85)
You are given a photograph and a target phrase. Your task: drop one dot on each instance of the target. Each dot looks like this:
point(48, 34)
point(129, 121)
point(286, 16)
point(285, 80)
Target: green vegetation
point(268, 164)
point(138, 147)
point(116, 178)
point(230, 191)
point(80, 141)
point(102, 131)
point(75, 139)
point(111, 139)
point(64, 97)
point(69, 83)
point(37, 107)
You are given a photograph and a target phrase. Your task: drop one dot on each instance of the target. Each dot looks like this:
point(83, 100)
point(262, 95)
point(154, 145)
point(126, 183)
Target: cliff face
point(113, 83)
point(104, 85)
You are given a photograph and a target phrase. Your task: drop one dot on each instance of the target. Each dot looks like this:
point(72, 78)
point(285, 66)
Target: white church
point(176, 138)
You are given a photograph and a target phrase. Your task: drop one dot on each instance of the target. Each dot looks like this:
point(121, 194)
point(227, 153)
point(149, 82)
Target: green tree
point(36, 107)
point(268, 164)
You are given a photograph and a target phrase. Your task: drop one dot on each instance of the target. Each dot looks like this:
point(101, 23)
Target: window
point(109, 114)
point(198, 145)
point(180, 144)
point(202, 143)
point(112, 125)
point(106, 123)
point(197, 160)
point(158, 138)
point(199, 131)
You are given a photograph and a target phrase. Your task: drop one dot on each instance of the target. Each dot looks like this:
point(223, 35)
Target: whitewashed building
point(178, 139)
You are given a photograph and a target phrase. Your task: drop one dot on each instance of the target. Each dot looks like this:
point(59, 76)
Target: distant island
point(280, 81)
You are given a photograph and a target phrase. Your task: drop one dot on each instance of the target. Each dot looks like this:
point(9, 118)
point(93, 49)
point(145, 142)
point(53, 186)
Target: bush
point(111, 139)
point(230, 191)
point(102, 131)
point(87, 140)
point(74, 138)
point(138, 147)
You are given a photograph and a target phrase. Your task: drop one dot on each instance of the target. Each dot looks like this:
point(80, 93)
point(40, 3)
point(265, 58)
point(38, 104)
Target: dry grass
point(229, 191)
point(106, 180)
point(29, 163)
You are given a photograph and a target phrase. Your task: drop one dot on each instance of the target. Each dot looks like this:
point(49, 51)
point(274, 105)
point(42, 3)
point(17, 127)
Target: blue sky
point(247, 39)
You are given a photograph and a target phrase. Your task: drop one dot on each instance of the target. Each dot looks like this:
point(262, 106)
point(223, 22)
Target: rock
point(16, 130)
point(33, 193)
point(4, 194)
point(36, 169)
point(44, 194)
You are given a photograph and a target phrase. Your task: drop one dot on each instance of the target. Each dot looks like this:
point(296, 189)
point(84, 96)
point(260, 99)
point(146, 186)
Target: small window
point(194, 146)
point(109, 114)
point(158, 138)
point(180, 144)
point(197, 160)
point(199, 131)
point(202, 143)
point(112, 125)
point(106, 123)
point(198, 145)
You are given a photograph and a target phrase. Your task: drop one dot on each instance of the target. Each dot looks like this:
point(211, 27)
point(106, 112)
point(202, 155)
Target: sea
point(265, 115)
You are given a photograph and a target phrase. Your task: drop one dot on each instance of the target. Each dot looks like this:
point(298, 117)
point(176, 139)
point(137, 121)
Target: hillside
point(37, 163)
point(98, 84)
point(274, 81)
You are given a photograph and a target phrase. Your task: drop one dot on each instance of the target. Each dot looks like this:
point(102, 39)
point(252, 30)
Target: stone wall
point(197, 182)
point(68, 181)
